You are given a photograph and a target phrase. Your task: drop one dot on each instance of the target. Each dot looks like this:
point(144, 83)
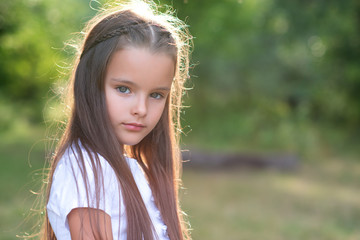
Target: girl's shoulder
point(79, 160)
point(79, 154)
point(83, 170)
point(81, 182)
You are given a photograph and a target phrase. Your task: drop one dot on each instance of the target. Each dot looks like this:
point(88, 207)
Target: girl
point(116, 170)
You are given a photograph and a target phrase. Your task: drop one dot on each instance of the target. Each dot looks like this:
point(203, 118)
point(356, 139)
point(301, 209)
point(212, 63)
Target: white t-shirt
point(68, 192)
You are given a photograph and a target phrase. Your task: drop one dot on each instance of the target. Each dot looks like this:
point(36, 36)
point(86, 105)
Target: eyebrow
point(119, 80)
point(123, 81)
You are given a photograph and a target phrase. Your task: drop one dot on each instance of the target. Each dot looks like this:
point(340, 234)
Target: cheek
point(111, 107)
point(158, 113)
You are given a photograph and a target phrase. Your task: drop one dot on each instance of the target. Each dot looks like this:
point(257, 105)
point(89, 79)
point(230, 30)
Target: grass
point(21, 158)
point(319, 201)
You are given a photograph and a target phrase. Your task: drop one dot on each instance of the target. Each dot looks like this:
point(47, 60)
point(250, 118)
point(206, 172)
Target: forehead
point(140, 64)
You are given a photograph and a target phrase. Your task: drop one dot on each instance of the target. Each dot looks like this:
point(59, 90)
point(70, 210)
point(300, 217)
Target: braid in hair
point(115, 33)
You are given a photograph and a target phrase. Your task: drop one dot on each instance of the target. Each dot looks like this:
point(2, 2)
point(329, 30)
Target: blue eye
point(156, 95)
point(123, 89)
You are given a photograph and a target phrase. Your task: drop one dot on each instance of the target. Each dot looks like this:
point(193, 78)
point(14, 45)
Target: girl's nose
point(140, 107)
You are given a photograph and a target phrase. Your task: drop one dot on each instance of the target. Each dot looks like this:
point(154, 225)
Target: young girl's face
point(137, 84)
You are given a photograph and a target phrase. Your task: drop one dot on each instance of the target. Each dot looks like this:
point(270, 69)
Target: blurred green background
point(269, 76)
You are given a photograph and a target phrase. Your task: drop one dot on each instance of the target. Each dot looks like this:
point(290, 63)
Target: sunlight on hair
point(141, 8)
point(117, 25)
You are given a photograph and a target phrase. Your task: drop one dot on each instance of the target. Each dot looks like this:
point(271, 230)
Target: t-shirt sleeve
point(69, 190)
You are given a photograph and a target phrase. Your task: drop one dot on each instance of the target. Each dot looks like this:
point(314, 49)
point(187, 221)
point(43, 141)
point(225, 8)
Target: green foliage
point(268, 74)
point(283, 51)
point(32, 35)
point(276, 65)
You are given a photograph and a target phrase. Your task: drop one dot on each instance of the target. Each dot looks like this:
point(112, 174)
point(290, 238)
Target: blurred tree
point(271, 67)
point(301, 53)
point(267, 67)
point(32, 33)
point(330, 29)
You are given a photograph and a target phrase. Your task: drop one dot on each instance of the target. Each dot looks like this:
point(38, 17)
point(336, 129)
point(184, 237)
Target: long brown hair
point(89, 128)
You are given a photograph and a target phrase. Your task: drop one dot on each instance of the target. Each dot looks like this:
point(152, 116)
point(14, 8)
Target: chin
point(130, 142)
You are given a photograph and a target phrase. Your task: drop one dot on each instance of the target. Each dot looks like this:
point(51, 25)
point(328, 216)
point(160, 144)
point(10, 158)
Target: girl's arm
point(89, 223)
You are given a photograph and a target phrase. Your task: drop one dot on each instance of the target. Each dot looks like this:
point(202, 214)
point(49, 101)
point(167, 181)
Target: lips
point(133, 126)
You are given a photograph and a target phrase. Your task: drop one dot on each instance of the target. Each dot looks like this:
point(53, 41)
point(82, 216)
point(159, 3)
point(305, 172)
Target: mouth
point(134, 126)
